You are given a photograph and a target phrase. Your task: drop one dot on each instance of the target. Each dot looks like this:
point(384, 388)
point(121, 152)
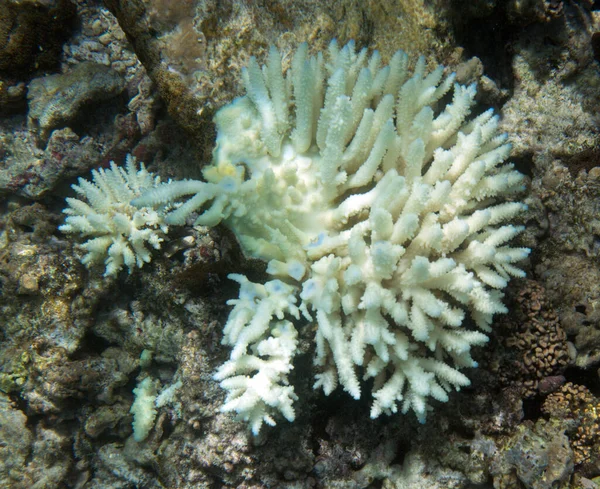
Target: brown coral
point(576, 405)
point(534, 339)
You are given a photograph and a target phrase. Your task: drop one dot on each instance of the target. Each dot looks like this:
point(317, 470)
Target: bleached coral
point(264, 351)
point(119, 232)
point(144, 408)
point(381, 211)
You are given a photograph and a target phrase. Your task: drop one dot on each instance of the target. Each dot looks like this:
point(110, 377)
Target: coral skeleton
point(384, 214)
point(119, 232)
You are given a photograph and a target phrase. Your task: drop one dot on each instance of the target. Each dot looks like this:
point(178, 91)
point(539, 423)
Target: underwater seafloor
point(83, 83)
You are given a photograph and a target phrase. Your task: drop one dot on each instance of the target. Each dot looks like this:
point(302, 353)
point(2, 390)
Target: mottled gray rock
point(15, 445)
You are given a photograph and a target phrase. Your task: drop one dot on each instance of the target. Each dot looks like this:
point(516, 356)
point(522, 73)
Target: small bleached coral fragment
point(119, 233)
point(143, 408)
point(384, 215)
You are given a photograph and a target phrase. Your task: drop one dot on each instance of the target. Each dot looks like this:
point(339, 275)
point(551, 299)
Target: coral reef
point(17, 441)
point(74, 344)
point(570, 196)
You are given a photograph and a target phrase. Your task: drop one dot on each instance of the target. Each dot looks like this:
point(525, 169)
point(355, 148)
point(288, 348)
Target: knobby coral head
point(383, 213)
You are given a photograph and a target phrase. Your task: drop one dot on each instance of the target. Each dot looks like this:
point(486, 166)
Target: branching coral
point(118, 231)
point(382, 213)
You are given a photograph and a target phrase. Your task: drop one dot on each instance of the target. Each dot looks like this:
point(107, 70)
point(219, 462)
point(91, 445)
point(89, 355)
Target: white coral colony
point(118, 232)
point(382, 215)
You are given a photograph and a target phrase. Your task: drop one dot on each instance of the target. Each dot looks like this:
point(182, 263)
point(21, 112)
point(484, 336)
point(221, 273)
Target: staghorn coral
point(381, 213)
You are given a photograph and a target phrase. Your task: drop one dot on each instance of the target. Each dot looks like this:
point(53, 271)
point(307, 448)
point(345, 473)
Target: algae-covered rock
point(538, 456)
point(32, 33)
point(55, 101)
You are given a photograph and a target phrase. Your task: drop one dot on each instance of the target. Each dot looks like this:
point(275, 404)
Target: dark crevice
point(490, 39)
point(524, 164)
point(532, 408)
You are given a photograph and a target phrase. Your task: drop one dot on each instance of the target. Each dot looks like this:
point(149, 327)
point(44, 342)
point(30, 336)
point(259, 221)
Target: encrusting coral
point(381, 212)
